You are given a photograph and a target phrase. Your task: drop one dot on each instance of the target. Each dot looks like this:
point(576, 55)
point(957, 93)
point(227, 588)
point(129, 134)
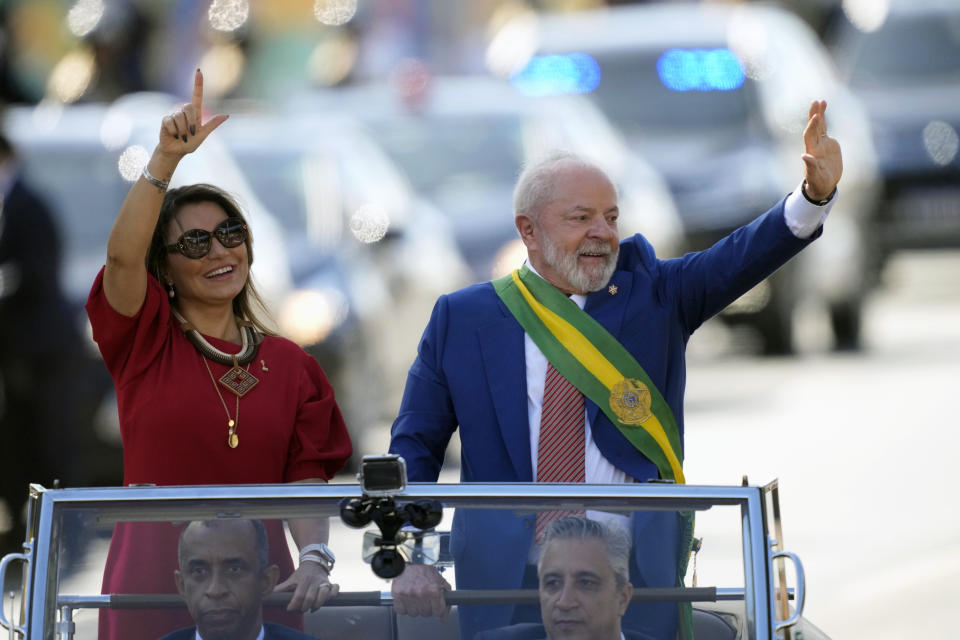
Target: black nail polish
point(193, 130)
point(184, 136)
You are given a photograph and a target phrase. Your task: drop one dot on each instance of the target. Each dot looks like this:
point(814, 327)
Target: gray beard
point(566, 264)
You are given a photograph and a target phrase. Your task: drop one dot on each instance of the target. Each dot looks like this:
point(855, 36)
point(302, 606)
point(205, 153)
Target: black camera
point(384, 475)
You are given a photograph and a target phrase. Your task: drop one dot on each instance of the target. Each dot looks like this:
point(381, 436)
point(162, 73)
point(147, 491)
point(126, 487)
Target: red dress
point(174, 431)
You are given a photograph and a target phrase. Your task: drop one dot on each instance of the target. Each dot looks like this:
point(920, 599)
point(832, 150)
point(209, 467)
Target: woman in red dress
point(206, 394)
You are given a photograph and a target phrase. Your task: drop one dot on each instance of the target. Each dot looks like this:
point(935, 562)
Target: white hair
point(535, 185)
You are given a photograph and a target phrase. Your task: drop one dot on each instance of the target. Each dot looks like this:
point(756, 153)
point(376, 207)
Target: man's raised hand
point(823, 162)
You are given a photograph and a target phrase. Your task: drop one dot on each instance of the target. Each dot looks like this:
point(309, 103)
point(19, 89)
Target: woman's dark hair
point(248, 301)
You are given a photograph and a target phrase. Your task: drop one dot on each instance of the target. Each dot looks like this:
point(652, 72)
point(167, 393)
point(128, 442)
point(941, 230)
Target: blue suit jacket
point(470, 373)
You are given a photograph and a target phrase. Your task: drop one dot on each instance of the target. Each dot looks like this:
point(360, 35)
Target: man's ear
point(270, 576)
point(623, 598)
point(527, 229)
point(178, 577)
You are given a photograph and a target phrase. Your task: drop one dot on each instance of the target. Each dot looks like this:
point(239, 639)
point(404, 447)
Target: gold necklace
point(233, 440)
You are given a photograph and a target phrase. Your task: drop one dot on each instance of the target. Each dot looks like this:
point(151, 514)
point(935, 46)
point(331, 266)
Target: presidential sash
point(598, 365)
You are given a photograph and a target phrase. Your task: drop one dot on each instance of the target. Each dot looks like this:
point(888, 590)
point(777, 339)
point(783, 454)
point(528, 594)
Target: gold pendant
point(233, 440)
point(239, 381)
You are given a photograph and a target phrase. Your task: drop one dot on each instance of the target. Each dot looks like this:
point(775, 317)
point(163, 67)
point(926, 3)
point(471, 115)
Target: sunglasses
point(195, 243)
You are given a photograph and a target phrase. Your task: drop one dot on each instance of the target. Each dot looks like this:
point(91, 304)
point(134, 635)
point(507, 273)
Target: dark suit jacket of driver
point(270, 632)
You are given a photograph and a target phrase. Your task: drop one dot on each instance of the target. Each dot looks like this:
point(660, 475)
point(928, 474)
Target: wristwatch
point(318, 553)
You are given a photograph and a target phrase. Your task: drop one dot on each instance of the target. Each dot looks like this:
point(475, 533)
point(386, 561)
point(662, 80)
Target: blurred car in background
point(462, 142)
point(716, 96)
point(366, 252)
point(907, 72)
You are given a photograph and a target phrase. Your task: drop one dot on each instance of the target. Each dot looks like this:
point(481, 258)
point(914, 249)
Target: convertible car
point(735, 585)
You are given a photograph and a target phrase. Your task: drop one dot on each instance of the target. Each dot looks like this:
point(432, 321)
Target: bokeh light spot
point(700, 70)
point(224, 64)
point(71, 77)
point(334, 12)
point(866, 15)
point(513, 44)
point(941, 142)
point(132, 161)
point(84, 16)
point(369, 223)
point(309, 316)
point(228, 15)
point(333, 59)
point(558, 74)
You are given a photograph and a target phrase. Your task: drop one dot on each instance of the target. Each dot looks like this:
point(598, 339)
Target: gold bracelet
point(157, 182)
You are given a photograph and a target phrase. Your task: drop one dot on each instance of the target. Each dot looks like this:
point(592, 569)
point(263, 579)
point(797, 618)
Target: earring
point(170, 291)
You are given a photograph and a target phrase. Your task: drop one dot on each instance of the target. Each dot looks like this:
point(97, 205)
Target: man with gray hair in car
point(584, 585)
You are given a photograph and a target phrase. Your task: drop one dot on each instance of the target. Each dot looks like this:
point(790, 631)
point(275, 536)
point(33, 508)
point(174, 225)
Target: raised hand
point(823, 162)
point(182, 132)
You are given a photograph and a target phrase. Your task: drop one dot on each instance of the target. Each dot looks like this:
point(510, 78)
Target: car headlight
point(308, 316)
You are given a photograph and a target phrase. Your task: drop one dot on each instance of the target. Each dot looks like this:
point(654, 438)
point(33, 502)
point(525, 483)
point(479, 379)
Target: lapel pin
point(613, 289)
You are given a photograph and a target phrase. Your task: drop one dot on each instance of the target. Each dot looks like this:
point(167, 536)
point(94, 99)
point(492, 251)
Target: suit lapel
point(500, 344)
point(608, 309)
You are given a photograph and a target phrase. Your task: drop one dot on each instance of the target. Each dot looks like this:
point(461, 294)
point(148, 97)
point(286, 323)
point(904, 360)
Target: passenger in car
point(584, 587)
point(181, 330)
point(572, 369)
point(224, 574)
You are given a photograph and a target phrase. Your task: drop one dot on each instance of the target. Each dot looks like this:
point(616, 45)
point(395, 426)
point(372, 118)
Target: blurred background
point(375, 143)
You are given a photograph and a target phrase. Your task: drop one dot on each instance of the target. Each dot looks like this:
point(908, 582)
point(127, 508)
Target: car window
point(905, 50)
point(637, 98)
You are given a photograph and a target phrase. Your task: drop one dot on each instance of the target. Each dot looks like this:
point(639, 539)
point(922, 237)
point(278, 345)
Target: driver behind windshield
point(223, 576)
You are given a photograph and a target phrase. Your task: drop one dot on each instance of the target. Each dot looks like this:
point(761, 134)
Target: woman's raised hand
point(182, 132)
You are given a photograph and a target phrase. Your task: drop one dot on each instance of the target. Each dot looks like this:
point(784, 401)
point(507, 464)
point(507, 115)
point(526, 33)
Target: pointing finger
point(197, 99)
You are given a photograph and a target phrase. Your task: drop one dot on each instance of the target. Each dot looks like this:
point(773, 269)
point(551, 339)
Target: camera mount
point(390, 518)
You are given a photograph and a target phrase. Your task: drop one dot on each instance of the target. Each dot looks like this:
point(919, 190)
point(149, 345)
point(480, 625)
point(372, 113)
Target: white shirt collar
point(197, 635)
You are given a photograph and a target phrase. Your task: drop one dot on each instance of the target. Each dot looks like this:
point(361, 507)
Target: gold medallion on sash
point(630, 400)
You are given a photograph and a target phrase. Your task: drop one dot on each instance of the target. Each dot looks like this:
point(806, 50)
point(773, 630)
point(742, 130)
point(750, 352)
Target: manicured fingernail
point(184, 136)
point(193, 130)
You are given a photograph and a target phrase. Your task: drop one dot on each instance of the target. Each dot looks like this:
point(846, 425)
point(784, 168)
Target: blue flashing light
point(557, 74)
point(700, 70)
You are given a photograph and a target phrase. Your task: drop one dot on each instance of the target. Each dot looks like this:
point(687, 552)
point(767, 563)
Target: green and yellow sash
point(597, 364)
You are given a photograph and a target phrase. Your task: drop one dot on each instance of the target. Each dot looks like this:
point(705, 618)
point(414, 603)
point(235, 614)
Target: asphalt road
point(864, 446)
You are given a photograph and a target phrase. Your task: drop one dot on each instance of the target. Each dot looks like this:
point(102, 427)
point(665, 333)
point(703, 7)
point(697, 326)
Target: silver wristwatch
point(318, 553)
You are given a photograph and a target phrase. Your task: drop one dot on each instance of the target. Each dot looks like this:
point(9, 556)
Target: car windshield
point(727, 580)
point(906, 50)
point(444, 154)
point(637, 97)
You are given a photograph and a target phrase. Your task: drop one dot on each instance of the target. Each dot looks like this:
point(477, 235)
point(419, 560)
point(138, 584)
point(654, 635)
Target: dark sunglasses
point(195, 243)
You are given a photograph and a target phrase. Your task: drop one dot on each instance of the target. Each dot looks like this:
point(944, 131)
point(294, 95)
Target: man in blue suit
point(478, 369)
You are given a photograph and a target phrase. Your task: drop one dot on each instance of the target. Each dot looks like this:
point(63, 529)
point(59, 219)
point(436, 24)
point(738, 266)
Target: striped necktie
point(560, 450)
